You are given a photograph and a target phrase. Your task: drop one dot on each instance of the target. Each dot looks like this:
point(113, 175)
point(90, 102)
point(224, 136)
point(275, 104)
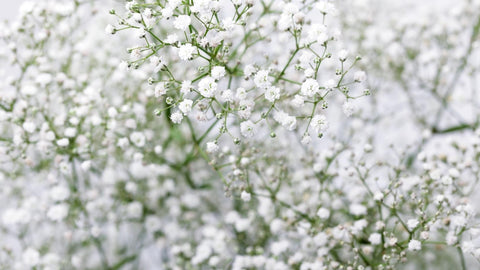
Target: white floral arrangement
point(240, 134)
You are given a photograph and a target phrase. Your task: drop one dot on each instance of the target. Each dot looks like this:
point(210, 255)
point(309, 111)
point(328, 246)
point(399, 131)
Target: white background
point(9, 9)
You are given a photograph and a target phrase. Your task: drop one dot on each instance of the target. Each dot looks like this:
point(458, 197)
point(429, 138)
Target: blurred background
point(9, 9)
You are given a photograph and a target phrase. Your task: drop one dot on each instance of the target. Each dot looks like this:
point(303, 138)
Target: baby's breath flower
point(182, 22)
point(245, 196)
point(185, 106)
point(207, 87)
point(414, 245)
point(176, 117)
point(186, 52)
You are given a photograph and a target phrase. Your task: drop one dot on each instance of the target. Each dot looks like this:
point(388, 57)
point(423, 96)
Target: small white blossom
point(138, 138)
point(207, 87)
point(272, 93)
point(176, 117)
point(31, 257)
point(218, 72)
point(58, 212)
point(323, 213)
point(134, 210)
point(414, 245)
point(342, 55)
point(247, 128)
point(185, 106)
point(29, 127)
point(63, 142)
point(245, 196)
point(182, 22)
point(310, 87)
point(109, 29)
point(358, 209)
point(160, 89)
point(375, 238)
point(212, 147)
point(186, 52)
point(262, 79)
point(359, 76)
point(319, 123)
point(348, 108)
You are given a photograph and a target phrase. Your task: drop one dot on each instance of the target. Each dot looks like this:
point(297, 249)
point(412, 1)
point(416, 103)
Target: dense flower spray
point(239, 134)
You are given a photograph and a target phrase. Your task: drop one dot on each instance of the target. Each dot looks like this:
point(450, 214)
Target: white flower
point(218, 72)
point(123, 142)
point(375, 238)
point(358, 209)
point(186, 52)
point(348, 108)
point(326, 7)
point(378, 196)
point(207, 87)
point(70, 132)
point(278, 247)
point(468, 246)
point(414, 245)
point(306, 139)
point(157, 62)
point(358, 226)
point(86, 165)
point(112, 112)
point(185, 106)
point(360, 76)
point(317, 33)
point(176, 117)
point(227, 96)
point(58, 212)
point(63, 142)
point(203, 252)
point(29, 90)
point(138, 138)
point(425, 235)
point(160, 89)
point(272, 93)
point(109, 29)
point(319, 123)
point(379, 225)
point(298, 101)
point(453, 172)
point(182, 22)
point(247, 129)
point(392, 241)
point(167, 12)
point(30, 257)
point(323, 213)
point(289, 122)
point(412, 224)
point(310, 87)
point(262, 79)
point(342, 55)
point(59, 193)
point(451, 239)
point(212, 147)
point(245, 196)
point(29, 127)
point(186, 87)
point(249, 70)
point(135, 210)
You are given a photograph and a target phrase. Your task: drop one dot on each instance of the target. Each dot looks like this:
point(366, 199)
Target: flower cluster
point(183, 135)
point(243, 65)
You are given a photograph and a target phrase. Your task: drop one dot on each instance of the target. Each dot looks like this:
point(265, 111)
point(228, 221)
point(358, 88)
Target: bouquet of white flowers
point(240, 134)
